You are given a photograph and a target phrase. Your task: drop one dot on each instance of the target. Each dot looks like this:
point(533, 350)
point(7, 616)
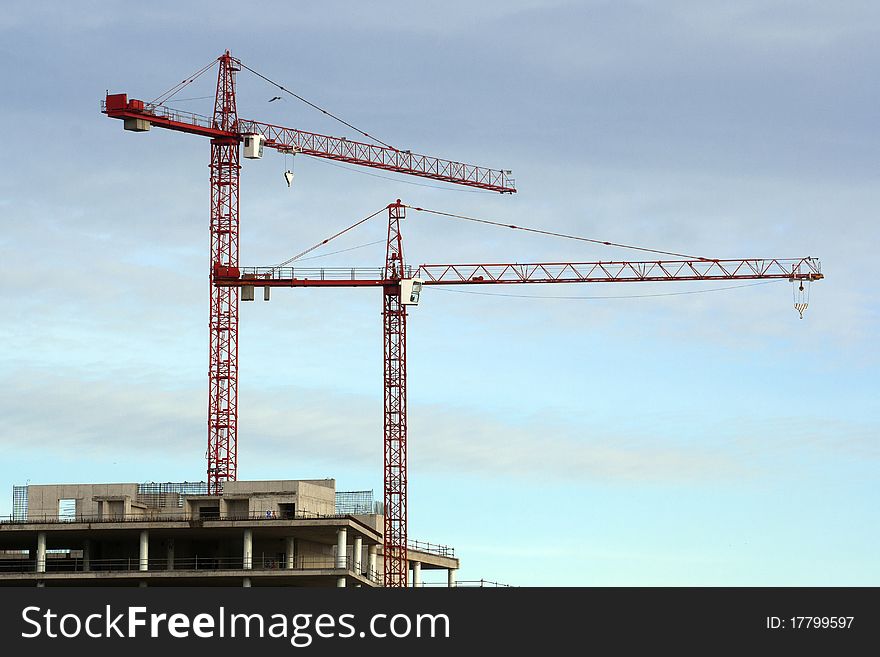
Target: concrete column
point(289, 552)
point(248, 549)
point(169, 555)
point(246, 582)
point(408, 577)
point(340, 582)
point(41, 552)
point(450, 577)
point(341, 548)
point(144, 553)
point(357, 551)
point(417, 573)
point(87, 555)
point(371, 561)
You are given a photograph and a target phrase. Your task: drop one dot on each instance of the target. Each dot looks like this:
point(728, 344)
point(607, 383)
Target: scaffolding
point(166, 494)
point(19, 503)
point(356, 502)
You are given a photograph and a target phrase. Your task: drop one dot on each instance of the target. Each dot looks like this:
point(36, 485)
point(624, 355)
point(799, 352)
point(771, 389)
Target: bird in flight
point(275, 98)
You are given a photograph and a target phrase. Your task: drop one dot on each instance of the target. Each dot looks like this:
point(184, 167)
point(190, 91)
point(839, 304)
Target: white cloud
point(126, 418)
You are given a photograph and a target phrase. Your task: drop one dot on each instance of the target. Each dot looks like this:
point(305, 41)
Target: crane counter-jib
point(139, 116)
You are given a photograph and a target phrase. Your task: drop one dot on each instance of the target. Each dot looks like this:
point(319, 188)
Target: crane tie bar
point(554, 234)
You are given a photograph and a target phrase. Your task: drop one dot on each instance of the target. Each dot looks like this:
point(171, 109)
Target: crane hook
point(801, 295)
point(289, 165)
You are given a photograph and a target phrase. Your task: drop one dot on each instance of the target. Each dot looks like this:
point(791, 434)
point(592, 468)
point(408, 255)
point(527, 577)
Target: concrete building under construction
point(256, 533)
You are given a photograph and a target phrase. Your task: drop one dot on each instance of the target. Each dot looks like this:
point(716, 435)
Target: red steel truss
point(291, 140)
point(616, 272)
point(394, 320)
point(379, 157)
point(542, 272)
point(223, 322)
point(226, 131)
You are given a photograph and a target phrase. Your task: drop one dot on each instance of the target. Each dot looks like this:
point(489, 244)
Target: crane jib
point(803, 269)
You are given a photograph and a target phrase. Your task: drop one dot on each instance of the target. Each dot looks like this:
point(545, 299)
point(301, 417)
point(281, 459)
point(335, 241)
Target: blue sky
point(699, 439)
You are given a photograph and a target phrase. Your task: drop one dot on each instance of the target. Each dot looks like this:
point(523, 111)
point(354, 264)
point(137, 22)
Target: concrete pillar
point(289, 552)
point(450, 577)
point(144, 552)
point(41, 552)
point(408, 577)
point(246, 582)
point(371, 561)
point(340, 582)
point(169, 555)
point(248, 549)
point(417, 573)
point(341, 548)
point(87, 555)
point(357, 552)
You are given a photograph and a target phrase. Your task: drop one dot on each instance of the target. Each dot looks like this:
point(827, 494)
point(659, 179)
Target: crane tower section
point(223, 321)
point(394, 318)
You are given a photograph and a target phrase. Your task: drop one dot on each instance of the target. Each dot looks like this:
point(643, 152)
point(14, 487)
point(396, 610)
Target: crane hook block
point(288, 176)
point(801, 294)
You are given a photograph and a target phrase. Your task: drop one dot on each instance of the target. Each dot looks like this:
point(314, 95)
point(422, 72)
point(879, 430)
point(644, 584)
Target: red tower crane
point(401, 287)
point(227, 132)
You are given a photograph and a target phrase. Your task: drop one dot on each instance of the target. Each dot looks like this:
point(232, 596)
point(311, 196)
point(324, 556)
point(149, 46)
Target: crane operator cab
point(410, 289)
point(253, 146)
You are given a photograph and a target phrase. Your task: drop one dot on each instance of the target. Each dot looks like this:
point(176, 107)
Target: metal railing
point(171, 517)
point(481, 583)
point(178, 116)
point(319, 273)
point(261, 563)
point(466, 583)
point(431, 548)
point(469, 583)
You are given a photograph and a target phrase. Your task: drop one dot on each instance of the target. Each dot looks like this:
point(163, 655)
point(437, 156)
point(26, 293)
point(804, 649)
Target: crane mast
point(394, 338)
point(222, 452)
